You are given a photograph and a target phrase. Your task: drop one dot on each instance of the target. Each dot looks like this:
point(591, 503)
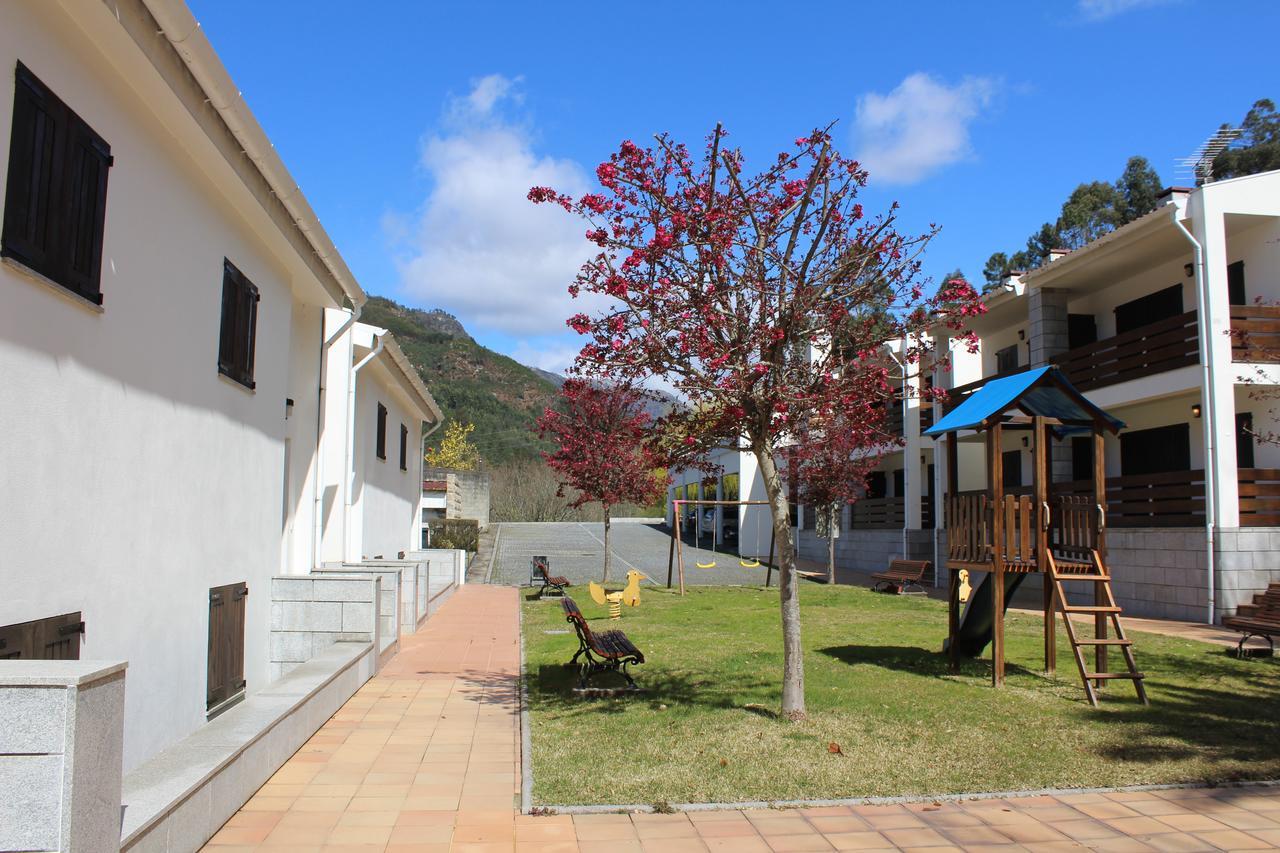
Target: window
point(404, 448)
point(239, 325)
point(1154, 451)
point(729, 487)
point(1244, 440)
point(1151, 308)
point(56, 201)
point(1011, 466)
point(1235, 284)
point(54, 638)
point(1082, 329)
point(877, 487)
point(1007, 359)
point(226, 647)
point(1082, 458)
point(382, 432)
point(899, 482)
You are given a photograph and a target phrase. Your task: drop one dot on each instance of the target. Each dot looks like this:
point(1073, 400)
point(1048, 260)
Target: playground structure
point(1008, 537)
point(629, 596)
point(675, 557)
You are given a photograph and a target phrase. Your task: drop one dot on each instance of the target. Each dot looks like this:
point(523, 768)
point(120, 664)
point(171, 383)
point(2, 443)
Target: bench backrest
point(538, 567)
point(915, 568)
point(574, 615)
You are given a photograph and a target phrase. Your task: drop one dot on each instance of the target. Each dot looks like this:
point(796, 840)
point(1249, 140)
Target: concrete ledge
point(179, 799)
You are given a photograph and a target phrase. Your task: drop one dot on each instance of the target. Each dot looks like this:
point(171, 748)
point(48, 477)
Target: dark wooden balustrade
point(1255, 333)
point(887, 513)
point(1154, 348)
point(1259, 497)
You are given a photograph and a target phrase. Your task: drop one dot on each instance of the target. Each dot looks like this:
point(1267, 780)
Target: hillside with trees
point(472, 383)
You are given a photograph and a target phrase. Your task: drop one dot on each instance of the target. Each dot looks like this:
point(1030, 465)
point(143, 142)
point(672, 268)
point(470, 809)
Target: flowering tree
point(764, 300)
point(601, 452)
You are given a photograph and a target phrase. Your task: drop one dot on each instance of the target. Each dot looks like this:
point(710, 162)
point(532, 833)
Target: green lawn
point(704, 729)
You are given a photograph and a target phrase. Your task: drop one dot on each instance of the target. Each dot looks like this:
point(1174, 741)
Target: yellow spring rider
point(629, 596)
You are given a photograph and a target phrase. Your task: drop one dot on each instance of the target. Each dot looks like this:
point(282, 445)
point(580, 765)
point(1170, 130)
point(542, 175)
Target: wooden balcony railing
point(1260, 497)
point(957, 395)
point(887, 513)
point(1255, 333)
point(1154, 348)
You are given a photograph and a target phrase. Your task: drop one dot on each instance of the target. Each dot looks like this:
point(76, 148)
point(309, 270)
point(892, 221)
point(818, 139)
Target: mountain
point(471, 382)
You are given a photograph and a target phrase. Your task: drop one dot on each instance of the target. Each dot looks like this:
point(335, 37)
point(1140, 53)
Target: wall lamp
point(288, 407)
point(1195, 410)
point(1189, 269)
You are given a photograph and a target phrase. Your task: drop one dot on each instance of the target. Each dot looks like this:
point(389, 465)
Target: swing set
point(675, 556)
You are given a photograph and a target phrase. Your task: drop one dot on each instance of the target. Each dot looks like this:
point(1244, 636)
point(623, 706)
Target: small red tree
point(601, 452)
point(763, 300)
point(830, 464)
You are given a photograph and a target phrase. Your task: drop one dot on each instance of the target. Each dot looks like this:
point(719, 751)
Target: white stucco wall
point(386, 499)
point(136, 477)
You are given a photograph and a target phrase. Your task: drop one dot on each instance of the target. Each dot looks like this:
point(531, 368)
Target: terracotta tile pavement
point(426, 757)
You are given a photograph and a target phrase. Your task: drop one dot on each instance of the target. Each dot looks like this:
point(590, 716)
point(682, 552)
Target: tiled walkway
point(426, 758)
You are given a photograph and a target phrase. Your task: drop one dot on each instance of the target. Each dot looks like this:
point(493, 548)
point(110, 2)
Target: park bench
point(1259, 619)
point(900, 575)
point(608, 650)
point(539, 573)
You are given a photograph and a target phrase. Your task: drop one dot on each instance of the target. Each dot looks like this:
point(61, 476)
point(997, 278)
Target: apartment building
point(188, 405)
point(1142, 321)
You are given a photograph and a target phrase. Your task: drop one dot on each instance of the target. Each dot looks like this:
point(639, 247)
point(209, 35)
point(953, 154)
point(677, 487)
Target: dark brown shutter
point(225, 672)
point(54, 638)
point(85, 207)
point(237, 336)
point(56, 197)
point(35, 146)
point(404, 448)
point(382, 432)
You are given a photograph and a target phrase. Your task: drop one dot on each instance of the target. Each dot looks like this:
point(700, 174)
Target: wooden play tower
point(1060, 535)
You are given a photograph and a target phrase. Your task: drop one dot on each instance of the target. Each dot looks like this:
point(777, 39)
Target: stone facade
point(310, 613)
point(466, 493)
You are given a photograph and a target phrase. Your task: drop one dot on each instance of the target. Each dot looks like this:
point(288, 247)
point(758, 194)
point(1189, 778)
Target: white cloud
point(1100, 10)
point(478, 248)
point(554, 355)
point(919, 127)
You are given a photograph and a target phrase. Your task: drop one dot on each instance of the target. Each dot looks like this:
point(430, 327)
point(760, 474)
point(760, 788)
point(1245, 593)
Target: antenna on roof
point(1200, 164)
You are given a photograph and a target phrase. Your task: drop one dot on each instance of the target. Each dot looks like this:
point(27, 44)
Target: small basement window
point(239, 325)
point(55, 201)
point(53, 638)
point(382, 432)
point(404, 448)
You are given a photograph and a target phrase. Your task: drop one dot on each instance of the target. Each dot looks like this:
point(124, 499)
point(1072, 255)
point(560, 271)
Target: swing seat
point(710, 565)
point(749, 564)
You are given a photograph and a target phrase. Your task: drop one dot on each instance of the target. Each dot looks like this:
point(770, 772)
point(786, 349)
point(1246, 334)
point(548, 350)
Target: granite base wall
point(309, 613)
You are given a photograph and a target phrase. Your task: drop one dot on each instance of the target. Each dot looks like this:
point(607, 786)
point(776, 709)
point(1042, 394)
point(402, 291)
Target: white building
point(170, 363)
point(1140, 320)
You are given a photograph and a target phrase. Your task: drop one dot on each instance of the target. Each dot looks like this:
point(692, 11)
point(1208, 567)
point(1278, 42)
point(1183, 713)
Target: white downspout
point(350, 468)
point(1210, 419)
point(317, 538)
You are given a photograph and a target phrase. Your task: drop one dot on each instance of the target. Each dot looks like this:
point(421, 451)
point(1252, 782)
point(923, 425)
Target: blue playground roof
point(1044, 391)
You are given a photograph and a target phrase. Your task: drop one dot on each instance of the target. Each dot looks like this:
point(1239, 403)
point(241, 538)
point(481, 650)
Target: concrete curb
point(526, 745)
point(889, 801)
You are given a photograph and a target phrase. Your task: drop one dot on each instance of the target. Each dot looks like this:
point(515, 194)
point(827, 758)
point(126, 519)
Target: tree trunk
point(831, 555)
point(608, 556)
point(788, 591)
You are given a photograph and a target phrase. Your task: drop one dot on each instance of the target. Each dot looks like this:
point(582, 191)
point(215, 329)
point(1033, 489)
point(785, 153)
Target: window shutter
point(404, 448)
point(225, 673)
point(382, 432)
point(54, 638)
point(85, 208)
point(35, 147)
point(237, 339)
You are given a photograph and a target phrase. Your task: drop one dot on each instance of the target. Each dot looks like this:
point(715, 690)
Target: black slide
point(975, 622)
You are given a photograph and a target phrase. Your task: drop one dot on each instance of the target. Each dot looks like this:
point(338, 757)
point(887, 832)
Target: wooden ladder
point(1104, 608)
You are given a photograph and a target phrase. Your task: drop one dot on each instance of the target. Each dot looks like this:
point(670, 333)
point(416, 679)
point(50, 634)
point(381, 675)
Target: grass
point(705, 729)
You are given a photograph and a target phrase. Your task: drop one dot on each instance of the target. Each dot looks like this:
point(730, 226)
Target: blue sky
point(415, 129)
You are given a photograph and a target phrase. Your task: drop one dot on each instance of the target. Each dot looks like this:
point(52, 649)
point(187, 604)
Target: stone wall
point(466, 494)
point(310, 613)
point(867, 550)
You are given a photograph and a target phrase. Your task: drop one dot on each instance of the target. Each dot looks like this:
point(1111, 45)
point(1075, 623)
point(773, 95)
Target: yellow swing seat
point(710, 565)
point(749, 564)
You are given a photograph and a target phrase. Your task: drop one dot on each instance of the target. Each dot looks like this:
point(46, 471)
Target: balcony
point(1145, 351)
point(1174, 498)
point(887, 513)
point(1255, 334)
